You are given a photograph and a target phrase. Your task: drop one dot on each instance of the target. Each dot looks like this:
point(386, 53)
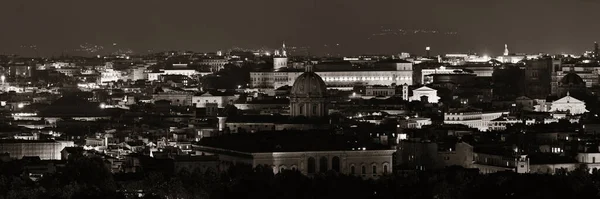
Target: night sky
point(481, 26)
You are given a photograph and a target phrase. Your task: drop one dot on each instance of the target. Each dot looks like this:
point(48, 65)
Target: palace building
point(396, 72)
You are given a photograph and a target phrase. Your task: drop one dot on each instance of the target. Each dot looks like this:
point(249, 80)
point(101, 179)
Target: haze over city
point(327, 27)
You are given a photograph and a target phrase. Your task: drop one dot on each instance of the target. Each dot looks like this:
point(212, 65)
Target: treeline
point(91, 178)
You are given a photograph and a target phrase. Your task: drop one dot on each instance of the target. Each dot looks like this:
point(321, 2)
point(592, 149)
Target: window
point(374, 170)
point(323, 164)
point(301, 109)
point(363, 170)
point(593, 159)
point(335, 164)
point(311, 165)
point(352, 170)
point(385, 168)
point(314, 109)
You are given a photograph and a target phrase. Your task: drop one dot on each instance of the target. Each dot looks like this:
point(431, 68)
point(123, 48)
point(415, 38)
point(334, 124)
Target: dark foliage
point(89, 178)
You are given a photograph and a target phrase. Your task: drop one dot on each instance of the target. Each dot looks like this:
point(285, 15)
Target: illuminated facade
point(356, 162)
point(216, 64)
point(185, 72)
point(221, 100)
point(340, 79)
point(45, 149)
point(110, 75)
point(568, 104)
point(425, 94)
point(280, 59)
point(473, 119)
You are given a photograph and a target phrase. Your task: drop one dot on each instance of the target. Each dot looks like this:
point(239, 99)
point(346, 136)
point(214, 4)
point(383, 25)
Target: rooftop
point(287, 141)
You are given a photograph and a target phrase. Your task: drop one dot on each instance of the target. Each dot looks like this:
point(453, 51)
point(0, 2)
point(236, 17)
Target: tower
point(405, 92)
point(280, 58)
point(505, 49)
point(283, 50)
point(596, 52)
point(308, 96)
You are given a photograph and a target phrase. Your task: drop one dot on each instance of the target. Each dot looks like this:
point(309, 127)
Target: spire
point(284, 53)
point(308, 68)
point(505, 49)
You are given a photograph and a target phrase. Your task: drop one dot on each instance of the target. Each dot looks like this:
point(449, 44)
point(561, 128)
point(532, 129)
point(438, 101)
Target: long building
point(397, 72)
point(45, 149)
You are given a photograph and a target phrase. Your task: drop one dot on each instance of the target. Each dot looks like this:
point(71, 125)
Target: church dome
point(309, 84)
point(572, 79)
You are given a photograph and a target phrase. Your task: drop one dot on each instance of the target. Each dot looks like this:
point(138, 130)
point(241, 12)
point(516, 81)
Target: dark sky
point(483, 26)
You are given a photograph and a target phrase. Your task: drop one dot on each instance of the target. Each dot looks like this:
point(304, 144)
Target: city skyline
point(358, 27)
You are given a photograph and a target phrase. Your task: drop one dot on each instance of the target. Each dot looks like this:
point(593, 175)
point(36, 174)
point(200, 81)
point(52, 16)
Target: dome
point(572, 79)
point(309, 84)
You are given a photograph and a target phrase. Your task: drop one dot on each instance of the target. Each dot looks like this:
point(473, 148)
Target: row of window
point(335, 166)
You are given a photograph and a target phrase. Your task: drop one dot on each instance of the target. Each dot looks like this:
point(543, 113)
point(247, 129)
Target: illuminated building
point(280, 59)
point(377, 90)
point(68, 71)
point(563, 74)
point(45, 149)
point(207, 98)
point(215, 64)
point(400, 73)
point(324, 153)
point(110, 75)
point(154, 76)
point(472, 118)
point(68, 107)
point(567, 104)
point(510, 58)
point(20, 70)
point(425, 95)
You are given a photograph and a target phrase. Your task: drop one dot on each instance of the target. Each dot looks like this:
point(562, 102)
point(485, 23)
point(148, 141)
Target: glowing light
point(3, 78)
point(427, 48)
point(20, 105)
point(102, 105)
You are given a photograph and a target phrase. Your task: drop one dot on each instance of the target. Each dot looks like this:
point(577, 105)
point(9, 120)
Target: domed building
point(308, 96)
point(571, 83)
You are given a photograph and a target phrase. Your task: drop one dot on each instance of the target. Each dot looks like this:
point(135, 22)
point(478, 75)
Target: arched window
point(314, 109)
point(323, 164)
point(385, 169)
point(374, 169)
point(312, 165)
point(364, 170)
point(301, 109)
point(352, 170)
point(335, 164)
